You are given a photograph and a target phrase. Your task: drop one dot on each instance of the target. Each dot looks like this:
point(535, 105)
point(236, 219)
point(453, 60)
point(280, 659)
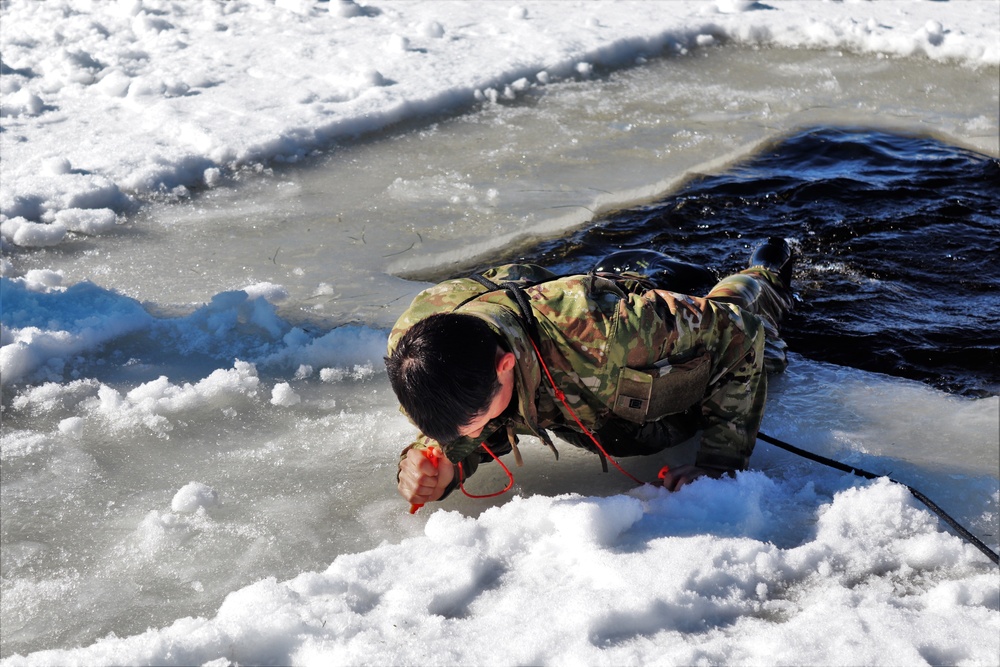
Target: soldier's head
point(450, 374)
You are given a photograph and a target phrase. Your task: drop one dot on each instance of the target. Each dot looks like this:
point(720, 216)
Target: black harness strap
point(484, 281)
point(960, 529)
point(530, 323)
point(516, 292)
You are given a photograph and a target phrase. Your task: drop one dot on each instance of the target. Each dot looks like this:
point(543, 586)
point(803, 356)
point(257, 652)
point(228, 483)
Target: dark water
point(897, 237)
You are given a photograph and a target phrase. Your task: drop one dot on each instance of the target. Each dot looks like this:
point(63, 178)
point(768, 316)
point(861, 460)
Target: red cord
point(562, 397)
point(510, 477)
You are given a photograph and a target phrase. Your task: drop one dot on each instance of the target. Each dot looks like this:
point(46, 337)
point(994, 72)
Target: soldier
point(605, 360)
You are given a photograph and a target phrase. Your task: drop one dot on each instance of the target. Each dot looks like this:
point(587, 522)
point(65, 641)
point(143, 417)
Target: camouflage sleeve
point(733, 413)
point(732, 408)
point(465, 453)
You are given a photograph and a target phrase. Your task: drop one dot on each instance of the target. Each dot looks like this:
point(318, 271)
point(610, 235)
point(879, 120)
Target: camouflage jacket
point(614, 349)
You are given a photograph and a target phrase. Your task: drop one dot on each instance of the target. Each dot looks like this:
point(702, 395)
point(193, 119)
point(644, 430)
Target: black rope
point(969, 537)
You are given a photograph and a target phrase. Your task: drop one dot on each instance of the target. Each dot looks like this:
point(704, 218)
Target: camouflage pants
point(759, 291)
point(740, 402)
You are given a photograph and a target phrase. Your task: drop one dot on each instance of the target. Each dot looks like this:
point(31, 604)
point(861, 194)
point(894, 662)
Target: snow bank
point(49, 331)
point(106, 103)
point(651, 578)
point(47, 327)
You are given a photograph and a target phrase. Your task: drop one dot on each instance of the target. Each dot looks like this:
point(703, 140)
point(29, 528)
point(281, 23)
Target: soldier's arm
point(422, 480)
point(734, 405)
point(415, 479)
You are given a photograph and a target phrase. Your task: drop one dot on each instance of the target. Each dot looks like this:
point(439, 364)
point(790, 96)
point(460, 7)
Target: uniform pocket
point(665, 389)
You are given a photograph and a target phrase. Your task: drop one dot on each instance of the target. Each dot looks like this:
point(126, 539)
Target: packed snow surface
point(643, 578)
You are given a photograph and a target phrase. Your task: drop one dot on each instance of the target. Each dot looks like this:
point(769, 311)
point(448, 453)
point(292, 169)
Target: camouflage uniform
point(643, 369)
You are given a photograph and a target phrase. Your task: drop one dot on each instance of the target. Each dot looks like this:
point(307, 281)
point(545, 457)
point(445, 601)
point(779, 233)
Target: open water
point(897, 240)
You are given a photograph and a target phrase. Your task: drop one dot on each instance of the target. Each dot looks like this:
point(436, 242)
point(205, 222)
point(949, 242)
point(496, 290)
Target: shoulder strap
point(519, 296)
point(516, 292)
point(484, 281)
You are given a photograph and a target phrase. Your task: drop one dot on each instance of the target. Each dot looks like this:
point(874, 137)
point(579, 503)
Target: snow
point(193, 496)
point(108, 106)
point(644, 578)
point(88, 317)
point(283, 394)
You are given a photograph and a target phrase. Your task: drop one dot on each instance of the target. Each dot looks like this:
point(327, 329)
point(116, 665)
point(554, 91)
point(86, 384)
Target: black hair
point(443, 371)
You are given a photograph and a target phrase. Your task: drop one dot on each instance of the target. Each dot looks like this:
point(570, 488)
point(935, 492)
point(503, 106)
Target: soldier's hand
point(676, 477)
point(420, 481)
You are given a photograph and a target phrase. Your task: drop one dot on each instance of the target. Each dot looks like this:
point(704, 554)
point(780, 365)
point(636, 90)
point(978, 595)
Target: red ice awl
point(433, 456)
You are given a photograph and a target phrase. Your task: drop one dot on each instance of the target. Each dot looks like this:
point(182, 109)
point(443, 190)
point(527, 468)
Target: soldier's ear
point(506, 362)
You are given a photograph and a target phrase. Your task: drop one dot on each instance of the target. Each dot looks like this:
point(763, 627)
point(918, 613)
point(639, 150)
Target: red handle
point(433, 455)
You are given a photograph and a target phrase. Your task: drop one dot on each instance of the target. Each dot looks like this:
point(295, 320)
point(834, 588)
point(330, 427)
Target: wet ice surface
point(289, 432)
point(433, 199)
